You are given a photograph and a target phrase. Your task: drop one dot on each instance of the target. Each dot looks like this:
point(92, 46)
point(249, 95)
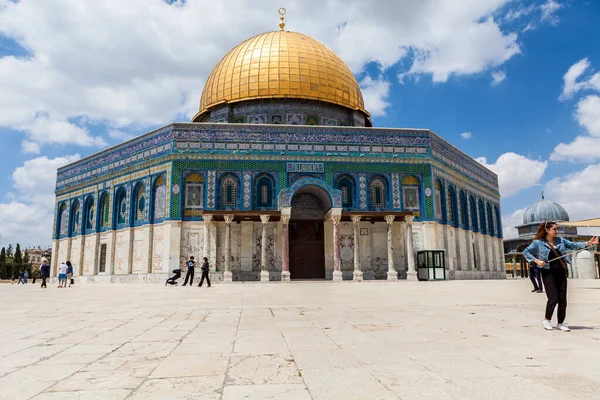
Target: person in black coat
point(191, 265)
point(205, 268)
point(44, 272)
point(536, 277)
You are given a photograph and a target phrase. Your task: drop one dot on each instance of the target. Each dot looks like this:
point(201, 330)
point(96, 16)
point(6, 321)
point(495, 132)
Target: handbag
point(72, 281)
point(560, 258)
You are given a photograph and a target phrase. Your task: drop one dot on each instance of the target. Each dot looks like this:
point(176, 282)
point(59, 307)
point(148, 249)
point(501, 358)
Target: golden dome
point(281, 64)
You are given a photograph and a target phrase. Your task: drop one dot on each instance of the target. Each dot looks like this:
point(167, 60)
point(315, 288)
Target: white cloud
point(27, 217)
point(549, 9)
point(466, 135)
point(588, 114)
point(30, 147)
point(571, 82)
point(375, 92)
point(578, 192)
point(548, 131)
point(515, 172)
point(510, 221)
point(497, 77)
point(583, 148)
point(143, 63)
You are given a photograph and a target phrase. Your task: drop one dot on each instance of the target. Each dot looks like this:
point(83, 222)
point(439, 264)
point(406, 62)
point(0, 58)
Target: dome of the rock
point(281, 65)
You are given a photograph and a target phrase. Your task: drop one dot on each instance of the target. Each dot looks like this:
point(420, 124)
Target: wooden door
point(307, 250)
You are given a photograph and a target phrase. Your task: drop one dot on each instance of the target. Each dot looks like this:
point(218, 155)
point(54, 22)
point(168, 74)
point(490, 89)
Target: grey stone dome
point(544, 210)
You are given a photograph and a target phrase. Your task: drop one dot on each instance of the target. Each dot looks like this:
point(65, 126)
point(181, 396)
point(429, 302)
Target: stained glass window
point(140, 203)
point(377, 193)
point(347, 189)
point(160, 198)
point(264, 197)
point(121, 206)
point(194, 192)
point(89, 213)
point(438, 200)
point(63, 229)
point(229, 193)
point(75, 215)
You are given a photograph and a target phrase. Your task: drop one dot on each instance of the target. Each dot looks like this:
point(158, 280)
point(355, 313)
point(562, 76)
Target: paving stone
point(468, 340)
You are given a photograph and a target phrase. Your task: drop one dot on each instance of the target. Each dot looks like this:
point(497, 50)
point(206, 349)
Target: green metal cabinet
point(431, 265)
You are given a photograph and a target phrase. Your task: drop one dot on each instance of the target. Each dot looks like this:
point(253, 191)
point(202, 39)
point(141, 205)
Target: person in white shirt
point(62, 275)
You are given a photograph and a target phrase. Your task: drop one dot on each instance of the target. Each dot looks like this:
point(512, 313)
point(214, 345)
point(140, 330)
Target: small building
point(537, 213)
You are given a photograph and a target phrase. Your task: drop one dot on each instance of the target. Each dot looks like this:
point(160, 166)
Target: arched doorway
point(307, 238)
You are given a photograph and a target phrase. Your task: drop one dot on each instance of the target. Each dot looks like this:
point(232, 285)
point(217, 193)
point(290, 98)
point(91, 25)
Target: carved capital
point(356, 219)
point(285, 219)
point(264, 219)
point(208, 218)
point(228, 218)
point(389, 219)
point(336, 219)
point(409, 218)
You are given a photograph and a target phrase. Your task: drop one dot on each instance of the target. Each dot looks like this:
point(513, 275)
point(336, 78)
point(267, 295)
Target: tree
point(9, 251)
point(3, 271)
point(26, 263)
point(18, 256)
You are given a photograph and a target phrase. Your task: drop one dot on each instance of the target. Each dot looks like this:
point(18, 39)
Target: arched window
point(75, 216)
point(482, 217)
point(159, 197)
point(229, 191)
point(194, 192)
point(473, 213)
point(88, 213)
point(378, 193)
point(498, 220)
point(140, 202)
point(120, 211)
point(439, 196)
point(451, 212)
point(490, 219)
point(104, 221)
point(411, 187)
point(346, 185)
point(63, 220)
point(263, 192)
point(464, 210)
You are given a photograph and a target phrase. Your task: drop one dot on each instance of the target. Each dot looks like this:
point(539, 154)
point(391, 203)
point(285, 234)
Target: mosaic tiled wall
point(284, 112)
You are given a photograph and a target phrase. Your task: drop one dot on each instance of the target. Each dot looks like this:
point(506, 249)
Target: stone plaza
point(300, 340)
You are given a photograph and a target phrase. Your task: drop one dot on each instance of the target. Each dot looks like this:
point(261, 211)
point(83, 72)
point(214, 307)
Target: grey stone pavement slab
point(468, 340)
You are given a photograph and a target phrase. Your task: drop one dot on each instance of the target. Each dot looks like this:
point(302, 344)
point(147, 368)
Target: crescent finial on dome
point(281, 12)
point(542, 195)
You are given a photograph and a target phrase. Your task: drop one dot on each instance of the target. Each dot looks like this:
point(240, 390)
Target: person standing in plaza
point(25, 276)
point(69, 273)
point(204, 268)
point(62, 275)
point(44, 271)
point(20, 277)
point(191, 265)
point(549, 252)
point(536, 277)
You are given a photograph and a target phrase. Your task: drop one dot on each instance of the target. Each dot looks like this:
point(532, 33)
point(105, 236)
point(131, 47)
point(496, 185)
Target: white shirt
point(62, 269)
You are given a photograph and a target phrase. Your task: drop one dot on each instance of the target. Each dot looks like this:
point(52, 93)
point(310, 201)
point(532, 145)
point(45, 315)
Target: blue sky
point(511, 83)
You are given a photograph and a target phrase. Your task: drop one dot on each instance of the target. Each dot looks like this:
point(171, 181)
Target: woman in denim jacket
point(548, 246)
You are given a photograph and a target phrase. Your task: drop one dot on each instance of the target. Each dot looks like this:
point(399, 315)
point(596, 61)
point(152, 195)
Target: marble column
point(392, 274)
point(264, 272)
point(206, 245)
point(285, 249)
point(411, 273)
point(357, 274)
point(337, 260)
point(227, 275)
